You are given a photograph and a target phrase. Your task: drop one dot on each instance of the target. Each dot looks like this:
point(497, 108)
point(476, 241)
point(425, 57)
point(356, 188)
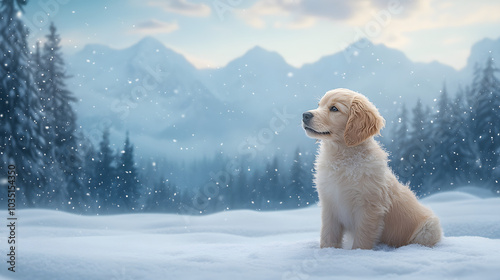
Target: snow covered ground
point(248, 245)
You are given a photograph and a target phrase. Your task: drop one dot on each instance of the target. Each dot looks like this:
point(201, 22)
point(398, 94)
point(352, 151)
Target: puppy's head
point(343, 116)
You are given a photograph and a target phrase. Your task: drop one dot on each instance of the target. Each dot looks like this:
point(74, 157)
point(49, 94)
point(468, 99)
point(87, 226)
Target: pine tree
point(243, 190)
point(127, 191)
point(430, 143)
point(258, 195)
point(163, 198)
point(418, 150)
point(225, 200)
point(62, 147)
point(441, 157)
point(49, 195)
point(399, 147)
point(19, 105)
point(90, 157)
point(462, 157)
point(232, 193)
point(272, 185)
point(105, 174)
point(485, 117)
point(297, 190)
point(52, 176)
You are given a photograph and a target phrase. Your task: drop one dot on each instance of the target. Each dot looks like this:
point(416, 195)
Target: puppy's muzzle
point(306, 117)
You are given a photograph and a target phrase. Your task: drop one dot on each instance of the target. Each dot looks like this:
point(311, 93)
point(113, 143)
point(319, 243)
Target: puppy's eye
point(334, 109)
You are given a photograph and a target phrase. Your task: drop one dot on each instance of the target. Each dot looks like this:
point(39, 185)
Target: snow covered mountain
point(162, 100)
point(385, 75)
point(147, 89)
point(172, 108)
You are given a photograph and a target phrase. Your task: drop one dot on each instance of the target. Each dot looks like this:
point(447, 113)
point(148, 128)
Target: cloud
point(411, 15)
point(282, 13)
point(297, 23)
point(294, 14)
point(182, 7)
point(154, 26)
point(328, 9)
point(446, 17)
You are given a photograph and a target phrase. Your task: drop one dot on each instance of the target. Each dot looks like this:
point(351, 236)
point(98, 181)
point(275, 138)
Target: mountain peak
point(260, 55)
point(149, 43)
point(481, 51)
point(258, 49)
point(360, 44)
point(156, 51)
point(258, 52)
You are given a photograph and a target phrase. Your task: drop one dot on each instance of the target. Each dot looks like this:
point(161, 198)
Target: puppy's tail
point(429, 233)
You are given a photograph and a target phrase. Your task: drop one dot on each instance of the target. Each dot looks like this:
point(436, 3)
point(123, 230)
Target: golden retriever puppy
point(357, 190)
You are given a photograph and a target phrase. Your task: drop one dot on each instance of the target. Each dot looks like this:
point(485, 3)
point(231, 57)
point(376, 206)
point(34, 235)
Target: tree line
point(275, 185)
point(457, 144)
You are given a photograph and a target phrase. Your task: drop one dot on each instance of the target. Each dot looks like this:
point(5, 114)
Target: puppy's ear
point(364, 121)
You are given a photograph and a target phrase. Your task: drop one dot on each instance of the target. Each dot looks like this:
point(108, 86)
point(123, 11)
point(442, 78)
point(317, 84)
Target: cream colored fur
point(357, 190)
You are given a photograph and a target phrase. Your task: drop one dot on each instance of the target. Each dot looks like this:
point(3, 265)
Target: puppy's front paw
point(324, 243)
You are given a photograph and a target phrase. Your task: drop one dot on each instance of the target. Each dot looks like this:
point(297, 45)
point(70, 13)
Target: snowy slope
point(249, 245)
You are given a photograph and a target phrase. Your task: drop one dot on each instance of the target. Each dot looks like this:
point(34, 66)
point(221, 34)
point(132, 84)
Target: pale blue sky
point(213, 32)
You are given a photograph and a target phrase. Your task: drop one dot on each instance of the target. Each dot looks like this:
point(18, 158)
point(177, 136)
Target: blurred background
point(195, 107)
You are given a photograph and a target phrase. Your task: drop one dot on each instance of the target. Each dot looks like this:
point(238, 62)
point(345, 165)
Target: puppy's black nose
point(306, 117)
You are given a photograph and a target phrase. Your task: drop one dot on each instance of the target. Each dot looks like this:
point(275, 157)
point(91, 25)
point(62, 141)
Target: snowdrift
point(248, 245)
